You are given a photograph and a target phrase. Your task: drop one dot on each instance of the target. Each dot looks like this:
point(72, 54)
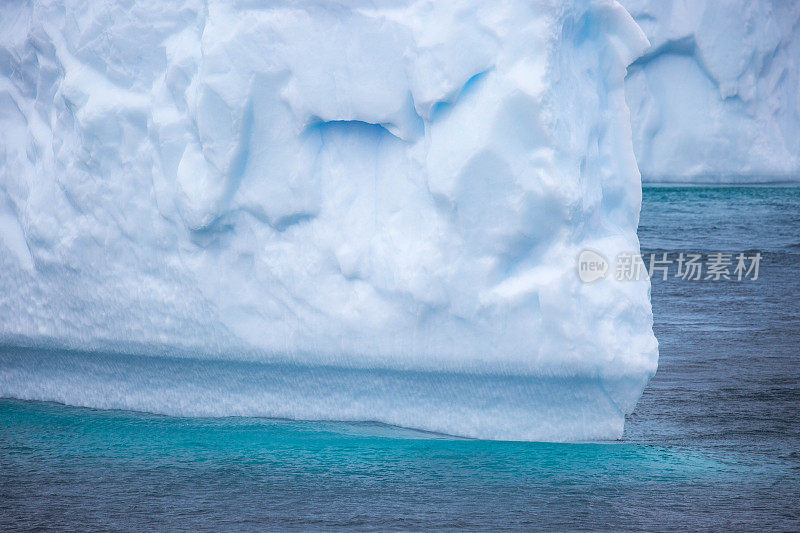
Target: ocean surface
point(714, 443)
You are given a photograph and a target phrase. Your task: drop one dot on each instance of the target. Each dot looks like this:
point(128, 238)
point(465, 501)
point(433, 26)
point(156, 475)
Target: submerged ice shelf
point(483, 405)
point(377, 205)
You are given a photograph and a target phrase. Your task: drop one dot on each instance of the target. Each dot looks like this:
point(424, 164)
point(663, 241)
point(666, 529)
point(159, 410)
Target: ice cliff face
point(379, 205)
point(717, 96)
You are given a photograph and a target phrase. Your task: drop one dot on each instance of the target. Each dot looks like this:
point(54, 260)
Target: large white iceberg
point(324, 210)
point(717, 96)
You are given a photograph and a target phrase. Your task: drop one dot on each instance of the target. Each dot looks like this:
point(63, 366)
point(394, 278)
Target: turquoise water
point(66, 465)
point(712, 444)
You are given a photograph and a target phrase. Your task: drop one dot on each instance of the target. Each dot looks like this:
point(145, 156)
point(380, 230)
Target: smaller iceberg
point(716, 98)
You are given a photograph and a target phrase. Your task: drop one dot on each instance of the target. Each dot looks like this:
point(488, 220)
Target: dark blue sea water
point(714, 442)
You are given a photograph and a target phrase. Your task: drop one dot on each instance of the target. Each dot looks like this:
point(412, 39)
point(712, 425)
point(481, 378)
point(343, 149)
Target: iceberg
point(362, 210)
point(717, 96)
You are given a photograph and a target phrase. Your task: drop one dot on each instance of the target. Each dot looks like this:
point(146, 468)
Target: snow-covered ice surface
point(717, 96)
point(330, 210)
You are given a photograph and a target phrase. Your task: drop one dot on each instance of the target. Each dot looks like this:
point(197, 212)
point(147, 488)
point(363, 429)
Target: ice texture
point(365, 210)
point(717, 96)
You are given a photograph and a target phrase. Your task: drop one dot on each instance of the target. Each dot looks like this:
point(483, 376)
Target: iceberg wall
point(327, 210)
point(717, 96)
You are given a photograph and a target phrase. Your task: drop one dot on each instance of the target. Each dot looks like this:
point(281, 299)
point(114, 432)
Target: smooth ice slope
point(359, 210)
point(717, 96)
